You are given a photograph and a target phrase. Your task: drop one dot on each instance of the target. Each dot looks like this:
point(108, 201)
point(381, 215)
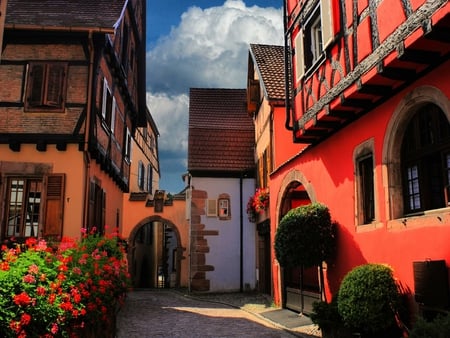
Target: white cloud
point(171, 118)
point(209, 48)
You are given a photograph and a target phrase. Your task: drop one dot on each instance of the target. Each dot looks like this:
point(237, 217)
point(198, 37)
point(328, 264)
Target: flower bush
point(64, 291)
point(258, 202)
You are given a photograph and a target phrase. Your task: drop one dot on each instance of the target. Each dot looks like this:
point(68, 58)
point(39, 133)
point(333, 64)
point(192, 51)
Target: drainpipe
point(241, 234)
point(86, 155)
point(287, 61)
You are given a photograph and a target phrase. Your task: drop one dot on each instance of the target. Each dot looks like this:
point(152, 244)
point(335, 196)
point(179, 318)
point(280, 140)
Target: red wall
point(329, 170)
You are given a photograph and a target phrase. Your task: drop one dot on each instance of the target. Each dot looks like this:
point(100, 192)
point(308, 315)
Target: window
point(34, 206)
point(425, 160)
point(46, 86)
point(128, 145)
point(314, 35)
point(108, 107)
point(366, 189)
point(313, 40)
point(141, 175)
point(365, 202)
point(223, 203)
point(124, 54)
point(224, 207)
point(97, 207)
point(149, 179)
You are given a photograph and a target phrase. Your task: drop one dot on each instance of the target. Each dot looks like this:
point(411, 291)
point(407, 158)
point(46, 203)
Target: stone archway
point(299, 287)
point(155, 253)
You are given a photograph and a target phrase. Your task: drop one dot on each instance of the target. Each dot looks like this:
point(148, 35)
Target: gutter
point(79, 29)
point(86, 155)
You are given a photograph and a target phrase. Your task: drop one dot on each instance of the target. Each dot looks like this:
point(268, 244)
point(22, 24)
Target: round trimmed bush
point(368, 299)
point(305, 236)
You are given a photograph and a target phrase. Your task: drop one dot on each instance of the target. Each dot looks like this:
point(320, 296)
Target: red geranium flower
point(22, 299)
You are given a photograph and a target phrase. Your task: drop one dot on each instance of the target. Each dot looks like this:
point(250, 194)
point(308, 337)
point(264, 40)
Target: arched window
point(425, 160)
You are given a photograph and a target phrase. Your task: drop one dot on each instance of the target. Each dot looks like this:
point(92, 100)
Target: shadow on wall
point(348, 255)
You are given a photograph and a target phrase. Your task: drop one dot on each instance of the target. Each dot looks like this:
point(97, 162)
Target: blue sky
point(198, 44)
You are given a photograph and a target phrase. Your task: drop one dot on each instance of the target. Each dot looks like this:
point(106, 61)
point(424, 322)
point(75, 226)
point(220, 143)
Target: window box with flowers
point(258, 203)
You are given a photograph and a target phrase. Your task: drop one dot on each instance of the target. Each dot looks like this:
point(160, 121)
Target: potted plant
point(261, 200)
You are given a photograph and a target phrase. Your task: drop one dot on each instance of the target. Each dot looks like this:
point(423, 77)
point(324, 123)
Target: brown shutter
point(55, 85)
point(91, 216)
point(35, 84)
point(253, 95)
point(54, 204)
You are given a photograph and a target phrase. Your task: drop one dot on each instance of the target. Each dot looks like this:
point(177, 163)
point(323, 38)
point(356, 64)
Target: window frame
point(128, 146)
point(48, 208)
point(149, 178)
point(317, 30)
point(141, 175)
point(109, 107)
point(425, 146)
point(366, 207)
point(48, 92)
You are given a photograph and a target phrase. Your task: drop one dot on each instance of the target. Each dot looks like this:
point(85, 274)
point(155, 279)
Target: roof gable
point(269, 61)
point(221, 135)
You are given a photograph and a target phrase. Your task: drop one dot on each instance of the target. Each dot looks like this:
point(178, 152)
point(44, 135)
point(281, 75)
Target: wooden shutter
point(326, 14)
point(35, 84)
point(55, 85)
point(91, 212)
point(253, 95)
point(54, 204)
point(299, 55)
point(211, 207)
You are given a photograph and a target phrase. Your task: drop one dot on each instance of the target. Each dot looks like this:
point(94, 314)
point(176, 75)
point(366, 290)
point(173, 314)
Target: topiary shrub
point(439, 327)
point(368, 300)
point(305, 236)
point(326, 317)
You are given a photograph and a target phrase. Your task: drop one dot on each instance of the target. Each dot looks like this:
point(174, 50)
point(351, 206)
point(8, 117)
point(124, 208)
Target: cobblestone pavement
point(170, 313)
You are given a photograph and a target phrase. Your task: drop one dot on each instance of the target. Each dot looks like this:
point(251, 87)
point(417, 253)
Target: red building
point(370, 108)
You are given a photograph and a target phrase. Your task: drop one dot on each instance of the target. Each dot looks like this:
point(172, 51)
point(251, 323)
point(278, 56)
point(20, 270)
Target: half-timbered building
point(370, 108)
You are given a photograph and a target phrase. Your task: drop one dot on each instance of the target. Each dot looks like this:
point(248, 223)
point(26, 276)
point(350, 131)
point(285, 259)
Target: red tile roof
point(64, 13)
point(269, 61)
point(221, 135)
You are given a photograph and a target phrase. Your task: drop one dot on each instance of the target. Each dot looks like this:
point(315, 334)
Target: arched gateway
point(155, 253)
point(300, 286)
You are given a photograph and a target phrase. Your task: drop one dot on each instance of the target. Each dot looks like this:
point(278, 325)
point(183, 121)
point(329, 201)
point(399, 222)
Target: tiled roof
point(64, 13)
point(269, 61)
point(221, 134)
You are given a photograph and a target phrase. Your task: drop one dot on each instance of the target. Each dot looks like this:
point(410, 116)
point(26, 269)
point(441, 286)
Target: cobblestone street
point(165, 313)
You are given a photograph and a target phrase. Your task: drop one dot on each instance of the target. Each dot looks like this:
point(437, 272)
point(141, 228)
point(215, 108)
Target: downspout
point(287, 55)
point(87, 129)
point(241, 234)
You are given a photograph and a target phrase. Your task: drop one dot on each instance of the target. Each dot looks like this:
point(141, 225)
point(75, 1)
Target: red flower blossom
point(25, 319)
point(34, 269)
point(4, 266)
point(29, 279)
point(22, 299)
point(40, 291)
point(54, 328)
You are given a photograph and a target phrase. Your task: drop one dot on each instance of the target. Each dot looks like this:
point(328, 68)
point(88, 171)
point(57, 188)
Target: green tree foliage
point(368, 299)
point(305, 236)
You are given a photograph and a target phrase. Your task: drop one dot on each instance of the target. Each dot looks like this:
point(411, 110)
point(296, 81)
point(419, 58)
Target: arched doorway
point(154, 254)
point(300, 285)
